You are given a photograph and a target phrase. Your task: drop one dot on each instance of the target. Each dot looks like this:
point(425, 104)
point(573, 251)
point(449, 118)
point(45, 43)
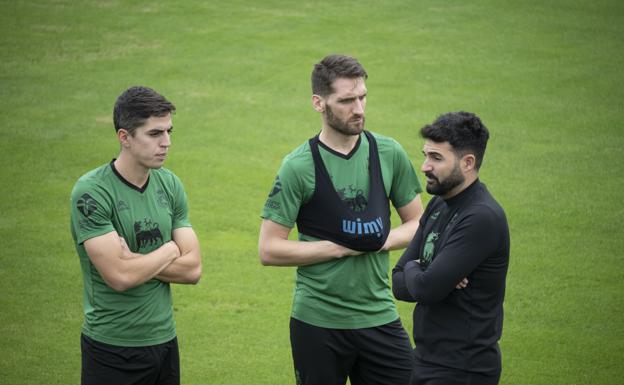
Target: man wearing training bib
point(130, 224)
point(337, 188)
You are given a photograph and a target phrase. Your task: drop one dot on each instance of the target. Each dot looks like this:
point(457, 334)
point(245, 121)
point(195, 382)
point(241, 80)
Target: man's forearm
point(284, 252)
point(185, 270)
point(399, 289)
point(188, 268)
point(401, 236)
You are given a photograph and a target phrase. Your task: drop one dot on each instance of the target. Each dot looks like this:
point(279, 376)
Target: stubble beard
point(347, 128)
point(441, 188)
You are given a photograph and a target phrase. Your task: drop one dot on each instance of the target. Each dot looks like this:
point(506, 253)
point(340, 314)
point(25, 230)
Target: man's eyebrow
point(160, 129)
point(352, 97)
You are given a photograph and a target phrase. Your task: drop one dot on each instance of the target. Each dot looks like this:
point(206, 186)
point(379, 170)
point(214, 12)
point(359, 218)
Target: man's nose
point(425, 167)
point(166, 142)
point(358, 107)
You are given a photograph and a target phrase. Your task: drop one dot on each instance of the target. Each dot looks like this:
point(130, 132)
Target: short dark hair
point(463, 130)
point(137, 104)
point(333, 67)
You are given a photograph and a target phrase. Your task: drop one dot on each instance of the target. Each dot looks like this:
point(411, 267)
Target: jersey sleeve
point(405, 184)
point(180, 205)
point(285, 198)
point(91, 212)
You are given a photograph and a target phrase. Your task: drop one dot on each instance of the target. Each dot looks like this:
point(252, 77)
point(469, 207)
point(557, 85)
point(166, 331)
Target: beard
point(437, 187)
point(354, 126)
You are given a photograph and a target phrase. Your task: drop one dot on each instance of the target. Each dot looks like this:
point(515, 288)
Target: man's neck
point(338, 142)
point(470, 179)
point(131, 170)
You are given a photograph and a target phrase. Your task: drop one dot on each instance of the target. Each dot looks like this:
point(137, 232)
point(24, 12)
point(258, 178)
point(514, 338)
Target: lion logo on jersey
point(429, 249)
point(147, 233)
point(355, 199)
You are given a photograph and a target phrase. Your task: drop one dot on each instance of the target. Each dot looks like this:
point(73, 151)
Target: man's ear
point(469, 162)
point(123, 135)
point(318, 103)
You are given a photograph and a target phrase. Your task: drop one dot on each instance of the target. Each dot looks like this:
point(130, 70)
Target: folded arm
point(276, 249)
point(467, 246)
point(122, 269)
point(188, 268)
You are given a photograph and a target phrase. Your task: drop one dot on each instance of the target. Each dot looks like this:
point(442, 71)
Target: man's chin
point(156, 164)
point(357, 129)
point(432, 188)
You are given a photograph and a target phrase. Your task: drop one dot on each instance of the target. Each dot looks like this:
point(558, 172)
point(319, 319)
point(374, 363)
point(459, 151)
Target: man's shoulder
point(486, 201)
point(300, 157)
point(482, 209)
point(385, 141)
point(166, 179)
point(164, 173)
point(388, 146)
point(97, 176)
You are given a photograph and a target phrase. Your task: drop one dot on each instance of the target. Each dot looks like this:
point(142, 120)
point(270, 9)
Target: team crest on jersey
point(122, 205)
point(162, 198)
point(147, 233)
point(86, 205)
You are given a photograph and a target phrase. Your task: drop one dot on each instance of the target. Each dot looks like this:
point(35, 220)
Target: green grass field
point(546, 78)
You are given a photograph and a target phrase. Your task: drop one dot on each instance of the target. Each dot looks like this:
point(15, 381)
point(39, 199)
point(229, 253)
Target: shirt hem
point(126, 343)
point(323, 323)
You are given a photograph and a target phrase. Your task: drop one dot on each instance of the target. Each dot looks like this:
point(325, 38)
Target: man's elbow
point(194, 275)
point(426, 296)
point(120, 283)
point(264, 253)
point(399, 291)
point(400, 294)
point(265, 260)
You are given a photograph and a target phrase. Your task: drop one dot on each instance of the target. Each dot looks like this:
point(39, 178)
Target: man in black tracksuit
point(463, 237)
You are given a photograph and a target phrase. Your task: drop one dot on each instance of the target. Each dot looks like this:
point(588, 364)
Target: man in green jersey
point(337, 187)
point(130, 225)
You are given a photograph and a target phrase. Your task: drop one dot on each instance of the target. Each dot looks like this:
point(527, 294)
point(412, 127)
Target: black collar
point(132, 186)
point(345, 156)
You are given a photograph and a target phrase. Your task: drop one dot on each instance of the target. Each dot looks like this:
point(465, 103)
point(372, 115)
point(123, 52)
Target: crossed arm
point(473, 239)
point(188, 268)
point(176, 261)
point(275, 249)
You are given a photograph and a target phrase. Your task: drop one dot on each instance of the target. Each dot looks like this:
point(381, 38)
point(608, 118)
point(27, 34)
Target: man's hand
point(462, 284)
point(126, 253)
point(125, 250)
point(186, 269)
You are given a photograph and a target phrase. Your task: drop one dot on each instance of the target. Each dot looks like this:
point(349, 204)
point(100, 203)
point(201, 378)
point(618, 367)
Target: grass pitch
point(546, 78)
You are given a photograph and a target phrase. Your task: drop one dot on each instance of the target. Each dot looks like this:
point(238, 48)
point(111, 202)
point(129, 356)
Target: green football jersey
point(352, 292)
point(101, 202)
